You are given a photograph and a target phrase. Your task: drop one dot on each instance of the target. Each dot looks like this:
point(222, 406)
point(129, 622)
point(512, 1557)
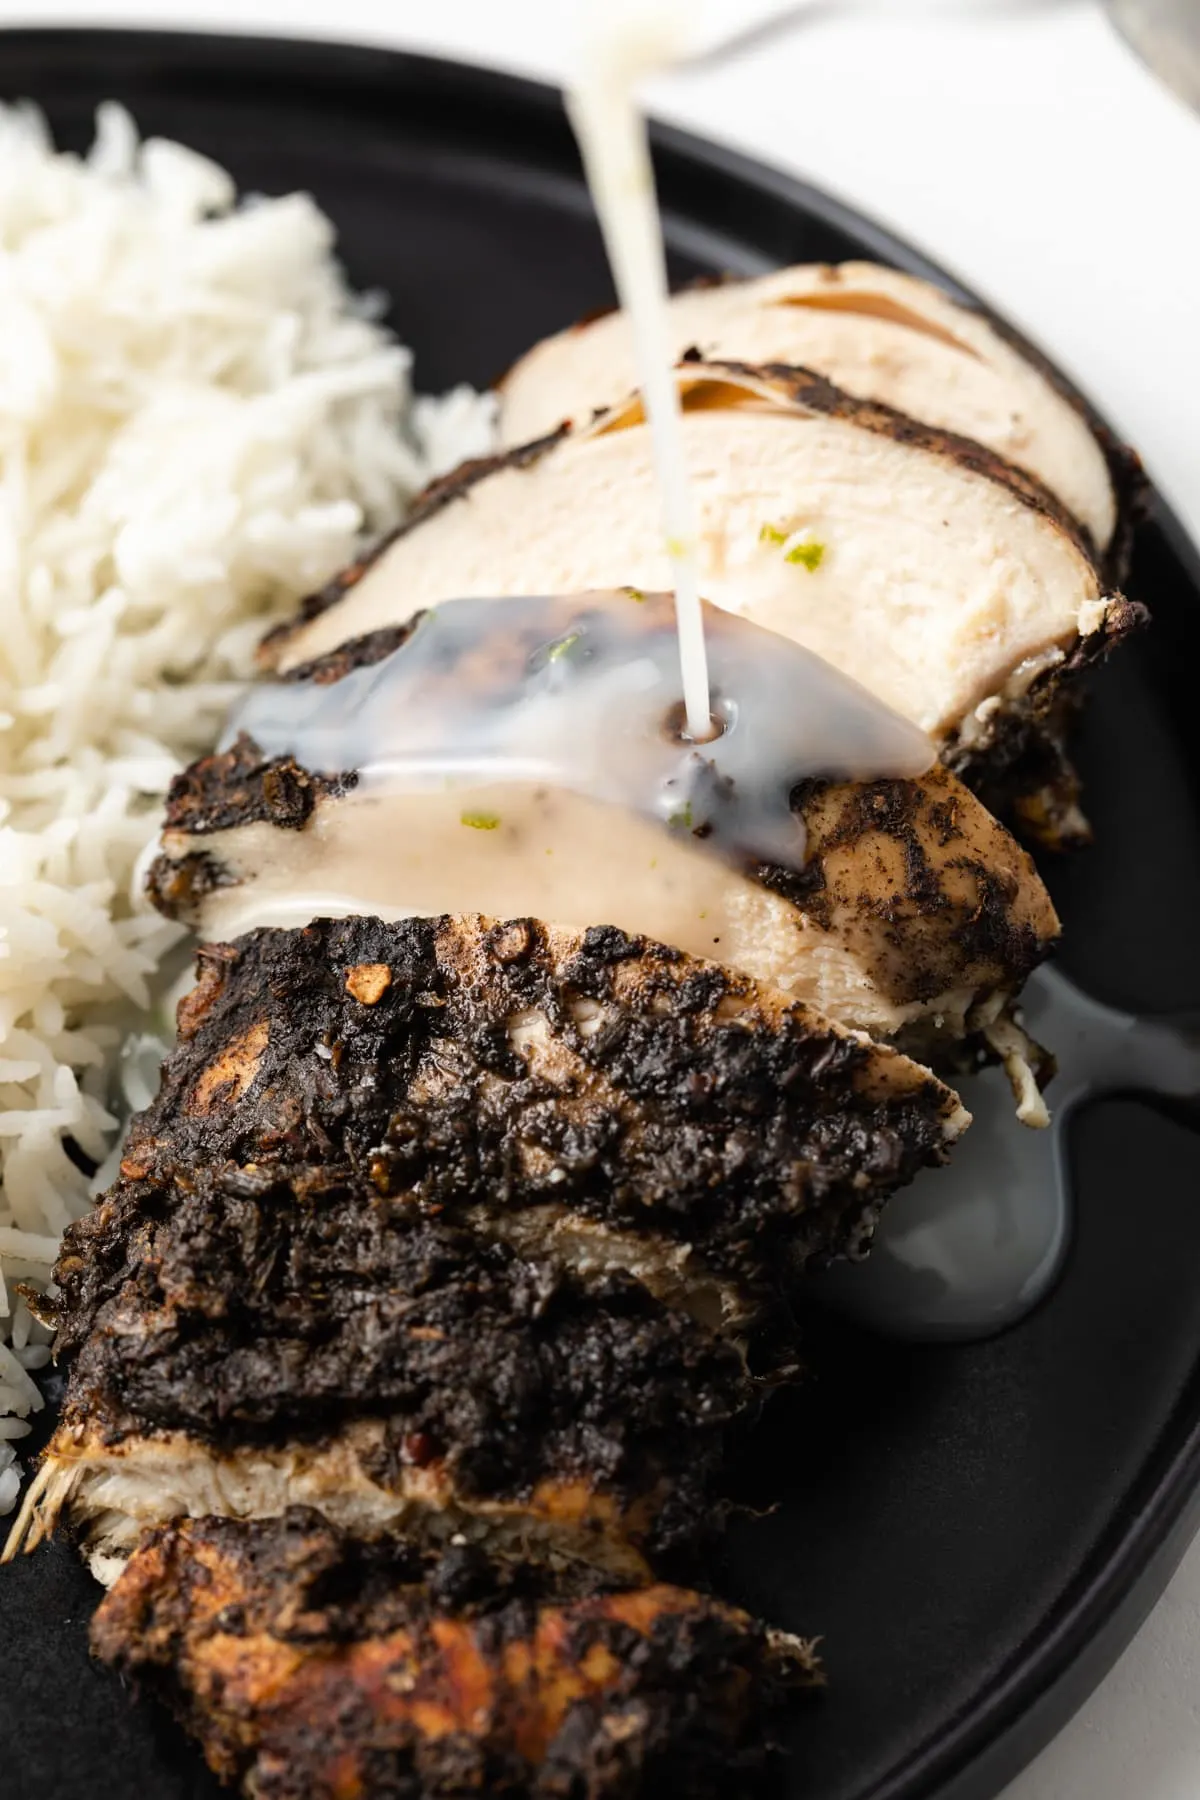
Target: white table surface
point(1023, 146)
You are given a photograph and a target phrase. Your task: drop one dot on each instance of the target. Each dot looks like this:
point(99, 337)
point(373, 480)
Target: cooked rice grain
point(198, 423)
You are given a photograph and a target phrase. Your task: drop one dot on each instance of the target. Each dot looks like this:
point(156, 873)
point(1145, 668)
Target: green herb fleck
point(811, 555)
point(636, 594)
point(480, 821)
point(770, 534)
point(562, 646)
point(682, 819)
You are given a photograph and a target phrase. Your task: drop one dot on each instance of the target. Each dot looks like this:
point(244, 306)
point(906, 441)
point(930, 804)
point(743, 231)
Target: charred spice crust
point(691, 1111)
point(312, 1665)
point(246, 1310)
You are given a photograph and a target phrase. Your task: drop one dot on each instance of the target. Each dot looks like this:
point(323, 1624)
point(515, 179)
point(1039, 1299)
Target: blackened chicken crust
point(314, 1667)
point(243, 1310)
point(276, 1301)
point(240, 786)
point(461, 1061)
point(1020, 766)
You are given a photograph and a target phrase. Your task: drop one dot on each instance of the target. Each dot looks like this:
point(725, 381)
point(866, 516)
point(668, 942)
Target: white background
point(1023, 146)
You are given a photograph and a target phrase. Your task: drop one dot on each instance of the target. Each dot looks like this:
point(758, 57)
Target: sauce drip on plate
point(971, 1248)
point(624, 46)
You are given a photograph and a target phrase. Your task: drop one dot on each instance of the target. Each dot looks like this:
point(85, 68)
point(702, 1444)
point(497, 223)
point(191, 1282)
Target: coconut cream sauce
point(492, 710)
point(621, 50)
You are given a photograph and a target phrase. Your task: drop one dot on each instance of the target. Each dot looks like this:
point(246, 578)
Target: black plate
point(975, 1531)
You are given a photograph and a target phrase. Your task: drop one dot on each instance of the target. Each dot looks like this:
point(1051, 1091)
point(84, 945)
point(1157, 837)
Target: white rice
point(198, 423)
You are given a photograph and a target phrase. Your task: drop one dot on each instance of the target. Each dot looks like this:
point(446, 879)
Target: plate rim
point(1033, 1695)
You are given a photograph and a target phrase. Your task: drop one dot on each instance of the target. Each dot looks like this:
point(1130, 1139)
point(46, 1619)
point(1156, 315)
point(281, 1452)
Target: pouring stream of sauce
point(615, 146)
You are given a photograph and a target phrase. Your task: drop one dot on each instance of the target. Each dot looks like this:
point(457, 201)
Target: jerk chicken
point(510, 1203)
point(481, 1069)
point(315, 1666)
point(878, 333)
point(916, 917)
point(398, 1372)
point(945, 580)
point(465, 1232)
point(462, 1234)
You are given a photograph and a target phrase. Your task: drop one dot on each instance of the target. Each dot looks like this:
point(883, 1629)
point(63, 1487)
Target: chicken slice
point(236, 1338)
point(468, 1063)
point(447, 1226)
point(877, 333)
point(311, 1666)
point(945, 581)
point(109, 1490)
point(915, 912)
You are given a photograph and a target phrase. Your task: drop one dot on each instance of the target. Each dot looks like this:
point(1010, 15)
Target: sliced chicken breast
point(310, 1664)
point(915, 913)
point(877, 333)
point(237, 1339)
point(463, 1063)
point(307, 1284)
point(946, 582)
point(111, 1488)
